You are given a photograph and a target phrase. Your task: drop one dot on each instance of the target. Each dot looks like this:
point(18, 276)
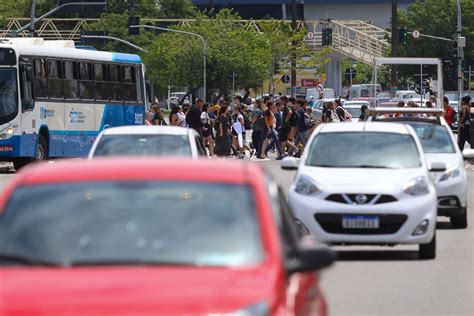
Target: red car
point(153, 237)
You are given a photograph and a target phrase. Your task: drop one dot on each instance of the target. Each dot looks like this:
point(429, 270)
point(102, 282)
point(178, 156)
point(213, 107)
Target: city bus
point(56, 98)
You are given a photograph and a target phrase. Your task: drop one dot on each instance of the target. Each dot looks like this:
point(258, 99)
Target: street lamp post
point(204, 49)
point(112, 38)
point(31, 26)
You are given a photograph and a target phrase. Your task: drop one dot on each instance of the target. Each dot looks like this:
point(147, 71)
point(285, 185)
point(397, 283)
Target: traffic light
point(276, 68)
point(326, 36)
point(133, 20)
point(455, 48)
point(403, 36)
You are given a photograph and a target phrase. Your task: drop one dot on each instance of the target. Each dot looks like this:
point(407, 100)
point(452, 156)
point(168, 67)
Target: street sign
point(415, 34)
point(285, 79)
point(320, 87)
point(310, 35)
point(309, 83)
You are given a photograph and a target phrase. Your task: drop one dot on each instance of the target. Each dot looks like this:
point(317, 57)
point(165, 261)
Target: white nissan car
point(366, 183)
point(439, 144)
point(142, 140)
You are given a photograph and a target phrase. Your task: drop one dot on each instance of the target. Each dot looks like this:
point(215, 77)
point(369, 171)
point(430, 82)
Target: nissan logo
point(361, 198)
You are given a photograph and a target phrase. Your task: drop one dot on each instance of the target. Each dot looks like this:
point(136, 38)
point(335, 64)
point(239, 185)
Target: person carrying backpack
point(193, 117)
point(341, 112)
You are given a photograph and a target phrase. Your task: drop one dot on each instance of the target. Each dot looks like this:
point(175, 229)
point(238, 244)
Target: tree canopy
point(438, 18)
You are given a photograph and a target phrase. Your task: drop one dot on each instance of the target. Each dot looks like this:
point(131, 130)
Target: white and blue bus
point(55, 98)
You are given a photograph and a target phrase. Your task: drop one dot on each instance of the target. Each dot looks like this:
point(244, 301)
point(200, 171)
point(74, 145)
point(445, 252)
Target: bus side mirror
point(27, 105)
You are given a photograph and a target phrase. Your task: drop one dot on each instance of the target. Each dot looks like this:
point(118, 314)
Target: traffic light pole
point(204, 49)
point(294, 12)
point(395, 42)
point(460, 51)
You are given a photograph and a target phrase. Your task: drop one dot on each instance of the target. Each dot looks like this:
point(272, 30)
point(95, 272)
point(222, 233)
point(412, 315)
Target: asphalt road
point(392, 281)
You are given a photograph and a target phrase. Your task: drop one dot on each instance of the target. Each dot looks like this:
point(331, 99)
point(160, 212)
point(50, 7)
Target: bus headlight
point(10, 131)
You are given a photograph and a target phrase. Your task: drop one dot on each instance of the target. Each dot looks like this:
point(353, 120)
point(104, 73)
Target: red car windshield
point(101, 223)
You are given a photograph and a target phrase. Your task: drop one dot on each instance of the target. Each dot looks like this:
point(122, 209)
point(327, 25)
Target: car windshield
point(363, 150)
point(8, 92)
point(355, 112)
point(433, 138)
point(143, 145)
point(131, 223)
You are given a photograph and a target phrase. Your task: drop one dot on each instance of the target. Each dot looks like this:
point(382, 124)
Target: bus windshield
point(8, 94)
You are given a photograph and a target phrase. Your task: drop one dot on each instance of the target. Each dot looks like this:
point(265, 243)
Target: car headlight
point(306, 186)
point(416, 187)
point(259, 309)
point(451, 173)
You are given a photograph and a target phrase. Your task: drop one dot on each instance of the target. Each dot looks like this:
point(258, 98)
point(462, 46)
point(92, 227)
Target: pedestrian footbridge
point(354, 39)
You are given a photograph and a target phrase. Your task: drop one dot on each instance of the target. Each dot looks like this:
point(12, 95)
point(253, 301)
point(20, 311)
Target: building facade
point(378, 12)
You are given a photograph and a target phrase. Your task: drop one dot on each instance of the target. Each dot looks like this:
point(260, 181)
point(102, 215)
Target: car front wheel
point(428, 251)
point(459, 221)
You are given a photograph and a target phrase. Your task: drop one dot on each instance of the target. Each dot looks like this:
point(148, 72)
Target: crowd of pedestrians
point(280, 125)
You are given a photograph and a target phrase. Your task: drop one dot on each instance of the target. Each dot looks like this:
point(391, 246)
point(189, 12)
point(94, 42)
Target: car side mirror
point(289, 163)
point(437, 167)
point(468, 154)
point(311, 259)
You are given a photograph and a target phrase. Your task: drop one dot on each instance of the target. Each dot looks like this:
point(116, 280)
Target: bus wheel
point(41, 150)
point(19, 163)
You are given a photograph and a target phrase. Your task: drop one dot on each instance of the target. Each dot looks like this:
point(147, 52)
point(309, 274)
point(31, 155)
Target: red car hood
point(132, 291)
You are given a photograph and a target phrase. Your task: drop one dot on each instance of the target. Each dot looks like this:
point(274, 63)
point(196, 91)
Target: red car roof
point(138, 168)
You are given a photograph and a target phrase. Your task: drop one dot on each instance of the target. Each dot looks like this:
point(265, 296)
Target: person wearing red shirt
point(448, 112)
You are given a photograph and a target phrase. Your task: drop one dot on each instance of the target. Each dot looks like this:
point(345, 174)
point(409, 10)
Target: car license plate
point(360, 222)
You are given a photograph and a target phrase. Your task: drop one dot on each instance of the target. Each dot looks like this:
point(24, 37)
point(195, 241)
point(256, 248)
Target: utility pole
point(395, 43)
point(294, 13)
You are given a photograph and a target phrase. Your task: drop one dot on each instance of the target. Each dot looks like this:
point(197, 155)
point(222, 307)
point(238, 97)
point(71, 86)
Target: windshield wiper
point(326, 166)
point(19, 259)
point(126, 262)
point(368, 167)
point(356, 166)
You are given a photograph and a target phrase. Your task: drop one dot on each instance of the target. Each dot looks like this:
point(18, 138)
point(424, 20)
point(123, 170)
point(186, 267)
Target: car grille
point(389, 224)
point(352, 198)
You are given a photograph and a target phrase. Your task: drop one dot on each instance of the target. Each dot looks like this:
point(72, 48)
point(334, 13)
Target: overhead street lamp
point(116, 39)
point(204, 49)
point(33, 20)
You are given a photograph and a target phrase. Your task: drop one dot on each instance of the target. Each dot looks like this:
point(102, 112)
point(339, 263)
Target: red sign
point(309, 83)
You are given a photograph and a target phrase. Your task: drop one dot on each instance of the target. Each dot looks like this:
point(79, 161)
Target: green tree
point(13, 9)
point(438, 18)
point(280, 36)
point(232, 47)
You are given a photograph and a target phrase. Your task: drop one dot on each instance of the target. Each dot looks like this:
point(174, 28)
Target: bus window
point(86, 86)
point(40, 86)
point(115, 85)
point(55, 82)
point(26, 85)
point(129, 84)
point(139, 84)
point(70, 80)
point(100, 82)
